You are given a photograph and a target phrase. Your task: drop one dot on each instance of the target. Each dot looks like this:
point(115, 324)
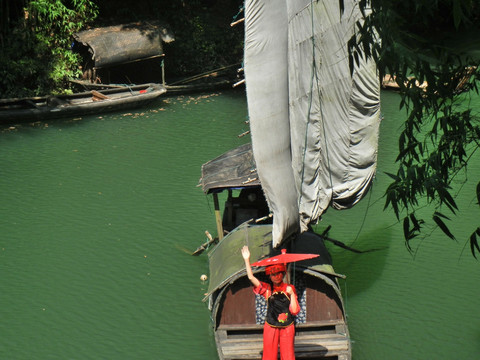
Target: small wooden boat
point(389, 82)
point(461, 81)
point(79, 104)
point(237, 314)
point(172, 90)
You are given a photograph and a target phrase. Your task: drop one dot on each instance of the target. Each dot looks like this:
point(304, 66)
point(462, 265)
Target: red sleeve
point(262, 289)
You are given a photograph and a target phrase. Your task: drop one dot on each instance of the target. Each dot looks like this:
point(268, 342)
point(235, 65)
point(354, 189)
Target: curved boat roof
point(119, 44)
point(227, 265)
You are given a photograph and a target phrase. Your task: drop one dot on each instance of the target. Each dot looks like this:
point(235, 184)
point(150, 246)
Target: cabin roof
point(234, 169)
point(119, 44)
point(226, 261)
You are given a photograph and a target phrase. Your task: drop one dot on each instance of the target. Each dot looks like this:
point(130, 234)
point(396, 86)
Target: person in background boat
point(282, 306)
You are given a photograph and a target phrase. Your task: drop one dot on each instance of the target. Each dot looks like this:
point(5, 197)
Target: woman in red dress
point(282, 306)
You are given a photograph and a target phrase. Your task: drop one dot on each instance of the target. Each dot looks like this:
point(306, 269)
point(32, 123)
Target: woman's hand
point(245, 253)
point(289, 290)
point(246, 258)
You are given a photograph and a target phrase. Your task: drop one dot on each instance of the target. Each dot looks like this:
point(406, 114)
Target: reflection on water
point(100, 216)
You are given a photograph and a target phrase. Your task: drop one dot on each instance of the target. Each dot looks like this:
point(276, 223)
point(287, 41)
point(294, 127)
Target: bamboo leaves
point(478, 193)
point(410, 233)
point(474, 247)
point(437, 217)
point(421, 44)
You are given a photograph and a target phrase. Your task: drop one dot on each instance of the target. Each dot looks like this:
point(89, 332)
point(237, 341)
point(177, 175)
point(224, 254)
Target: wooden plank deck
point(311, 342)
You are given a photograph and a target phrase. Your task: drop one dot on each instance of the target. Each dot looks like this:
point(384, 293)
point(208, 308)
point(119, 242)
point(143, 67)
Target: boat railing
point(324, 325)
point(318, 339)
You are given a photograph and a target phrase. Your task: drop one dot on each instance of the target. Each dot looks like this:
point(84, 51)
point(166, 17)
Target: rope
point(202, 75)
point(364, 216)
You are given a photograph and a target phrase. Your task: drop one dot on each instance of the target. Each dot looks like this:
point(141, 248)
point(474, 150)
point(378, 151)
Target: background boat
point(79, 104)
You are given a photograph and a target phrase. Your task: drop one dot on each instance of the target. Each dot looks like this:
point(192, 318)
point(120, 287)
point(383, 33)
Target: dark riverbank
point(35, 39)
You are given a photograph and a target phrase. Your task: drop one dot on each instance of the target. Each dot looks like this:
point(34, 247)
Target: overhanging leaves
point(437, 217)
point(423, 44)
point(474, 247)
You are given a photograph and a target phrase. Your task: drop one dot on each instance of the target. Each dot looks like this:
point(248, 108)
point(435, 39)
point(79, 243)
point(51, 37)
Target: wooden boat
point(115, 55)
point(314, 123)
point(461, 81)
point(172, 90)
point(79, 104)
point(131, 53)
point(237, 314)
point(389, 83)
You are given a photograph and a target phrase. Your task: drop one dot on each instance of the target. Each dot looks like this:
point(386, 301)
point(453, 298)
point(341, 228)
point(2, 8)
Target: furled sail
point(314, 124)
point(266, 75)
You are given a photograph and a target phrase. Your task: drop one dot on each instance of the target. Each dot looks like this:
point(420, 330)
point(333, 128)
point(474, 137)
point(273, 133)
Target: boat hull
point(80, 104)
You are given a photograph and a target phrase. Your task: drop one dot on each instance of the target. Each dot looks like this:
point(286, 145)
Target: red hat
point(272, 269)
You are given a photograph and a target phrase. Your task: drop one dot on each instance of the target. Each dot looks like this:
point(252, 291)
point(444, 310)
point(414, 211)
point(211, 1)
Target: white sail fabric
point(265, 67)
point(322, 149)
point(334, 115)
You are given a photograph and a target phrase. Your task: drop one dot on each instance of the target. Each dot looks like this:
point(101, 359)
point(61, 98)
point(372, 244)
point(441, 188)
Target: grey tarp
point(314, 125)
point(119, 44)
point(265, 67)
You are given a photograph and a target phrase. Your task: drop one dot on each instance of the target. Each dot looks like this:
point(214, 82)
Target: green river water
point(99, 217)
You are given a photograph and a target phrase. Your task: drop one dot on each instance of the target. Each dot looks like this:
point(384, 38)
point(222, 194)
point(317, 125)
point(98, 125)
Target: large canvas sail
point(314, 124)
point(266, 73)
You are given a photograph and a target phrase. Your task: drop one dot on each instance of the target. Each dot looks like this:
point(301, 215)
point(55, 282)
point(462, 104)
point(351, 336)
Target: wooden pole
point(237, 22)
point(217, 216)
point(163, 72)
point(202, 247)
point(239, 83)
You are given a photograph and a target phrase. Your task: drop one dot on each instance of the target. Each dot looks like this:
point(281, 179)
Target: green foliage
point(204, 39)
point(36, 57)
point(435, 43)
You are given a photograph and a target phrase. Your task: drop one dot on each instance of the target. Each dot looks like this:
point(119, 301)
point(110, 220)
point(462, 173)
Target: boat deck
point(322, 340)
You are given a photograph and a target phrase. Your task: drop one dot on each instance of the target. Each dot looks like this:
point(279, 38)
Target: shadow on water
point(363, 269)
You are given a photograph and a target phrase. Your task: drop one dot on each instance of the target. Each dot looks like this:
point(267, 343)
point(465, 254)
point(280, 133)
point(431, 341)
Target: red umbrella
point(284, 258)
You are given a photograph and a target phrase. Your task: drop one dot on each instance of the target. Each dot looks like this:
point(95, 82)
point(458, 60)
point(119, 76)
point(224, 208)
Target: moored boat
point(80, 104)
point(314, 115)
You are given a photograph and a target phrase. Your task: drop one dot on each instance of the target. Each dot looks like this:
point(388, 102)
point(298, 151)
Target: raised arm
point(246, 257)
